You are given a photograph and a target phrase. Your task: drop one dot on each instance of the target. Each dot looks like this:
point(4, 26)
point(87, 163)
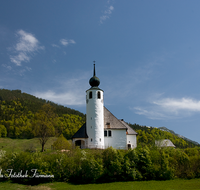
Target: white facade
point(131, 141)
point(117, 139)
point(95, 117)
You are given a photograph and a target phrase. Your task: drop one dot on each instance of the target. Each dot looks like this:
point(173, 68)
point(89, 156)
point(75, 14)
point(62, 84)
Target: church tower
point(95, 114)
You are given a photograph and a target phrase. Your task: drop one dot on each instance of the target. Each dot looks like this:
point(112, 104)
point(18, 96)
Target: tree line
point(108, 165)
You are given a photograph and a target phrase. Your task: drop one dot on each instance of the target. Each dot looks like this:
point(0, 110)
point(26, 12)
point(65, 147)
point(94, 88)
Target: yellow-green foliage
point(70, 124)
point(17, 121)
point(62, 143)
point(3, 131)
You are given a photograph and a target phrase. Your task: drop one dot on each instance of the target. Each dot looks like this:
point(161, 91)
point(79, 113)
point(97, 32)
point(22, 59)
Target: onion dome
point(94, 81)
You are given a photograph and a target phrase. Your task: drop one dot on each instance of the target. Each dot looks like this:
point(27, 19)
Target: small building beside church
point(102, 129)
point(164, 143)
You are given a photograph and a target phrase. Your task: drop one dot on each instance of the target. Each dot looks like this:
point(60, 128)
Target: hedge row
point(93, 166)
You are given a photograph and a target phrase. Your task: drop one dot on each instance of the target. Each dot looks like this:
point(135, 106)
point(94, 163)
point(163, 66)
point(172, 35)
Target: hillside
point(148, 135)
point(18, 115)
point(33, 103)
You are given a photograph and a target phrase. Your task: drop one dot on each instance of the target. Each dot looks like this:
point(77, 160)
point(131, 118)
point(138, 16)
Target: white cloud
point(175, 105)
point(106, 13)
point(28, 68)
point(152, 113)
point(66, 42)
point(26, 46)
point(72, 42)
point(169, 108)
point(17, 59)
point(69, 91)
point(7, 66)
point(65, 98)
point(54, 45)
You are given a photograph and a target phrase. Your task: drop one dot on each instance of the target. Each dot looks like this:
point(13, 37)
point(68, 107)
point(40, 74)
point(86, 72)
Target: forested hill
point(19, 114)
point(148, 135)
point(33, 103)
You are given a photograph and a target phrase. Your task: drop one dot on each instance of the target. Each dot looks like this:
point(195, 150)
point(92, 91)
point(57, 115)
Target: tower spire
point(94, 81)
point(94, 69)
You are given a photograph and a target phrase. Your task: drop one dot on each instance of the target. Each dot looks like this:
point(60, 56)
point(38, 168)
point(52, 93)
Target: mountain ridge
point(180, 136)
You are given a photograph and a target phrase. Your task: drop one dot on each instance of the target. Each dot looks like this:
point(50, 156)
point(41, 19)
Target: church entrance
point(80, 143)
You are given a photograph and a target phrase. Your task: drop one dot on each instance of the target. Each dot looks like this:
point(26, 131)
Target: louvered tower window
point(90, 95)
point(99, 95)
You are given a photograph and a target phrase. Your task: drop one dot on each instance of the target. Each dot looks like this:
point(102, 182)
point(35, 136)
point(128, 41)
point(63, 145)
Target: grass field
point(17, 145)
point(177, 184)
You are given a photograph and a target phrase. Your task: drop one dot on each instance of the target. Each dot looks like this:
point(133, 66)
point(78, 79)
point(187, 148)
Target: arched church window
point(99, 95)
point(90, 95)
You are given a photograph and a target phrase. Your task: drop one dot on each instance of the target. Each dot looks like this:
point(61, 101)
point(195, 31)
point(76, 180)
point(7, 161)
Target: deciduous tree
point(44, 123)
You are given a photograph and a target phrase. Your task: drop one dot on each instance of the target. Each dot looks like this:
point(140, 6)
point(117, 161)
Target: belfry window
point(99, 95)
point(105, 133)
point(90, 95)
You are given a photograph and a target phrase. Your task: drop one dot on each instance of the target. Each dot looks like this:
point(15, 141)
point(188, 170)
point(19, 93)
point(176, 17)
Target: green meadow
point(18, 145)
point(178, 184)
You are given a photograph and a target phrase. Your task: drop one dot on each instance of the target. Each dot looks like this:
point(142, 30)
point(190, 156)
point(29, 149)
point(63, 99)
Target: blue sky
point(147, 56)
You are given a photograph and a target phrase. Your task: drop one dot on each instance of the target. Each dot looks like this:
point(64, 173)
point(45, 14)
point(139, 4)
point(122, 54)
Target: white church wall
point(117, 139)
point(132, 139)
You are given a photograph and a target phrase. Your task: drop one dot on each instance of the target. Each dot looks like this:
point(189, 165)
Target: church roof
point(111, 122)
point(81, 133)
point(130, 131)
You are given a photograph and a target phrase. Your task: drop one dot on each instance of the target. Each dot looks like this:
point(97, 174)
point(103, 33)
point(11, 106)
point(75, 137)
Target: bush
point(144, 163)
point(3, 131)
point(62, 143)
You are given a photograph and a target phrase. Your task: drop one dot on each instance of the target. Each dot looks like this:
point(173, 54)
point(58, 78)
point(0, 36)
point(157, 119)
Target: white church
point(102, 129)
